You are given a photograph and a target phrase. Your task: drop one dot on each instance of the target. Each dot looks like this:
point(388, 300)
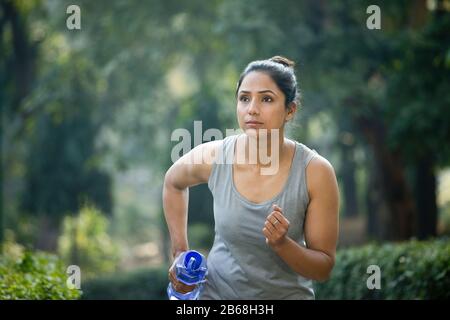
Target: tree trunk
point(1, 187)
point(20, 65)
point(399, 200)
point(74, 256)
point(348, 181)
point(377, 211)
point(47, 238)
point(2, 108)
point(426, 198)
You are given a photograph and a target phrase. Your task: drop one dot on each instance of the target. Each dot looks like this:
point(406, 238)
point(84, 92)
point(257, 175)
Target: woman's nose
point(253, 107)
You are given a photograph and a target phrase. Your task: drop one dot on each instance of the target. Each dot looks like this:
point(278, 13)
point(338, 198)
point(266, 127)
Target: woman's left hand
point(276, 227)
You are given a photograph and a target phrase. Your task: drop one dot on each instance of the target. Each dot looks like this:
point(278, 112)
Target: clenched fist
point(276, 227)
point(178, 285)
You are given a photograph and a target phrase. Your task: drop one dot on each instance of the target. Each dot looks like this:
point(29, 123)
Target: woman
point(274, 233)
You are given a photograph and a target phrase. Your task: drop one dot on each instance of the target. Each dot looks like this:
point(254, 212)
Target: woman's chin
point(257, 132)
point(252, 132)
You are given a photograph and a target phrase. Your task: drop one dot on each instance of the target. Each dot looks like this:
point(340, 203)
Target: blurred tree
point(349, 64)
point(338, 52)
point(18, 56)
point(399, 126)
point(62, 163)
point(138, 70)
point(50, 119)
point(85, 242)
point(418, 109)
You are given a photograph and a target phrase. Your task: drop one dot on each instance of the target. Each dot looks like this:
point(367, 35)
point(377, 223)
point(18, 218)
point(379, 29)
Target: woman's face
point(261, 104)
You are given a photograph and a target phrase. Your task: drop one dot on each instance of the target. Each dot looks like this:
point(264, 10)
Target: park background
point(87, 117)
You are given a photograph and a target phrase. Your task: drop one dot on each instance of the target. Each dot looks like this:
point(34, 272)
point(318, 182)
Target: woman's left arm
point(321, 226)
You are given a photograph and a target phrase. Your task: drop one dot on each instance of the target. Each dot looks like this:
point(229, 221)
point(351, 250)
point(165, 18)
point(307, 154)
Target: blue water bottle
point(190, 268)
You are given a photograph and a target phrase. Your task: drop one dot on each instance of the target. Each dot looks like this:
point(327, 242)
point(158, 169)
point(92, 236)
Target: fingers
point(282, 219)
point(267, 233)
point(272, 218)
point(277, 208)
point(276, 217)
point(269, 226)
point(178, 285)
point(276, 227)
point(172, 278)
point(275, 222)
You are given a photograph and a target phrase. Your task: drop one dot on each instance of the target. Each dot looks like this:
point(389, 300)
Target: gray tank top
point(240, 263)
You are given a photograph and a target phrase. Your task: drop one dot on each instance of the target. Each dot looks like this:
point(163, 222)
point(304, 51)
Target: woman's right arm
point(184, 173)
point(190, 170)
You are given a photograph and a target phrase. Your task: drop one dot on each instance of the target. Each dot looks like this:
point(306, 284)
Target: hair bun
point(284, 61)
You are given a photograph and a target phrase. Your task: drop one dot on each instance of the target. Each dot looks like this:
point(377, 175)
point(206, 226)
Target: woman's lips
point(253, 124)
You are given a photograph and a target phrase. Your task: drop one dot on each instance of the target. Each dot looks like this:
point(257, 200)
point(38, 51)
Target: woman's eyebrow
point(262, 91)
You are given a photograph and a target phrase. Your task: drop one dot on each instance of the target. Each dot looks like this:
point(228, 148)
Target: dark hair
point(281, 70)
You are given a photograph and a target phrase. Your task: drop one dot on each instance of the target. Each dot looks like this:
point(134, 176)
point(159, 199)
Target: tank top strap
point(306, 154)
point(219, 173)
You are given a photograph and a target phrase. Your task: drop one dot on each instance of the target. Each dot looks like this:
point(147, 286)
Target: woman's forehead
point(257, 81)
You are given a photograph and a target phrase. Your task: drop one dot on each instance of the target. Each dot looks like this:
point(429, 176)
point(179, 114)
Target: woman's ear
point(292, 108)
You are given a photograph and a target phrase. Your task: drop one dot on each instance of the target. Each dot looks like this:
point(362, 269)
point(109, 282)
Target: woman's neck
point(263, 151)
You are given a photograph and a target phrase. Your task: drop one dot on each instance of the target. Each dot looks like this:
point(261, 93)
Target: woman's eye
point(243, 98)
point(267, 99)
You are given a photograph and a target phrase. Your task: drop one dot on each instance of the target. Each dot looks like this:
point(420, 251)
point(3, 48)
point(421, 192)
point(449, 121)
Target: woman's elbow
point(325, 273)
point(323, 277)
point(169, 179)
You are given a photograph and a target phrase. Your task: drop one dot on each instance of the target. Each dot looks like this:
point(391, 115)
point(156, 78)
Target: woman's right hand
point(178, 285)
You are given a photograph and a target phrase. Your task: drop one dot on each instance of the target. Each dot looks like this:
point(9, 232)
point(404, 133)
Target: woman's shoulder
point(209, 152)
point(213, 144)
point(218, 145)
point(320, 164)
point(219, 142)
point(319, 172)
point(312, 157)
point(317, 166)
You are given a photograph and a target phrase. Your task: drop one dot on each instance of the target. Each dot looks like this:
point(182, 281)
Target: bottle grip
point(190, 269)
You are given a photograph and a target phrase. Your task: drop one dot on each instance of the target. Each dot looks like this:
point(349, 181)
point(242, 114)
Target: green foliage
point(147, 284)
point(33, 276)
point(444, 217)
point(86, 243)
point(201, 236)
point(411, 270)
point(73, 108)
point(62, 145)
point(421, 67)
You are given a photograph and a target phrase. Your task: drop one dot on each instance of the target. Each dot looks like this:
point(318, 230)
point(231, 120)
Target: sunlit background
point(87, 117)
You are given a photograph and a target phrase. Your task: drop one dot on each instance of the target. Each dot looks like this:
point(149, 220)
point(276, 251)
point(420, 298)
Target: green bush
point(147, 284)
point(410, 270)
point(201, 236)
point(33, 276)
point(85, 242)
